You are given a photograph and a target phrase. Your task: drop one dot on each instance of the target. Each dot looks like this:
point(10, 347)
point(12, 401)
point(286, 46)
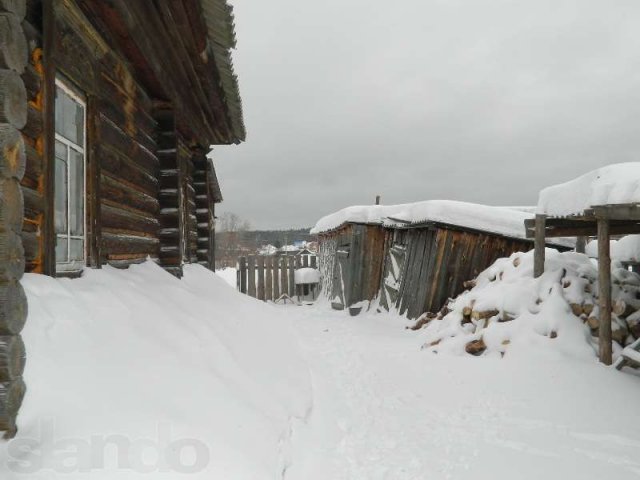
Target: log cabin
point(108, 111)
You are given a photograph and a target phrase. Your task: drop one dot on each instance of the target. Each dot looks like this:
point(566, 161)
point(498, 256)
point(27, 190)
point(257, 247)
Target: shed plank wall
point(439, 261)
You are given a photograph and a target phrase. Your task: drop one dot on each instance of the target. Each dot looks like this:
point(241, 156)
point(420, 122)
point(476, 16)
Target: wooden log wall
point(14, 116)
point(122, 162)
point(190, 222)
point(34, 181)
point(171, 194)
point(204, 211)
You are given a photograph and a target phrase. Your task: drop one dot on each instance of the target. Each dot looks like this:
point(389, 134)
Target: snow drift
point(130, 352)
point(508, 310)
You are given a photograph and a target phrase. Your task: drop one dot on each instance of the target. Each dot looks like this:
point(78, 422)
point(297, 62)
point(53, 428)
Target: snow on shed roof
point(499, 220)
point(612, 184)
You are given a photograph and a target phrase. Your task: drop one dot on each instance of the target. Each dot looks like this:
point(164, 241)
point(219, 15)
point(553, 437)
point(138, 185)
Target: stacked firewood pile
point(507, 293)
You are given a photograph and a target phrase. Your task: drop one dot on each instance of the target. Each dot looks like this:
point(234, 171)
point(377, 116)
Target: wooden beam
point(94, 214)
point(559, 227)
point(618, 212)
point(604, 298)
point(539, 246)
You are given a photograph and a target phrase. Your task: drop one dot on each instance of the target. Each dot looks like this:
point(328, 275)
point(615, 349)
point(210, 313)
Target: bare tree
point(229, 244)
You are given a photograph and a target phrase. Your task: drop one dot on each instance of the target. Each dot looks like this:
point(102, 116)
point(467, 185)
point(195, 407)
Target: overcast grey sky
point(479, 100)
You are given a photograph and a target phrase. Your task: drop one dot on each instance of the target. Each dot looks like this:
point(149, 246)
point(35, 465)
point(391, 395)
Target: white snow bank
point(306, 275)
point(510, 311)
point(627, 249)
point(128, 352)
point(618, 183)
point(229, 275)
point(500, 220)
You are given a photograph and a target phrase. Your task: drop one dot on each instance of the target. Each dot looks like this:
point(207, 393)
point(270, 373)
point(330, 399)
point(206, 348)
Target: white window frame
point(74, 265)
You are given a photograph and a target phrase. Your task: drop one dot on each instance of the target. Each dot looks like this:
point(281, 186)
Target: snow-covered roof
point(613, 184)
point(500, 220)
point(306, 275)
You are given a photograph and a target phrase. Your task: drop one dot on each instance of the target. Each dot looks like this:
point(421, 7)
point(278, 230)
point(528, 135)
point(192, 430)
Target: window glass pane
point(77, 249)
point(76, 198)
point(60, 200)
point(69, 117)
point(61, 250)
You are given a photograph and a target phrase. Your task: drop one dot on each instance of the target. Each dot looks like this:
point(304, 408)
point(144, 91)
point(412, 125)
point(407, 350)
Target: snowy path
point(383, 409)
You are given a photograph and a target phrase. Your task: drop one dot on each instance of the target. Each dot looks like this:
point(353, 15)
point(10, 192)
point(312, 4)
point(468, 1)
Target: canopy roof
point(609, 185)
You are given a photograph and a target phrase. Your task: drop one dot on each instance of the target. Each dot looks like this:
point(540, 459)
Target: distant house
point(288, 250)
point(413, 257)
point(108, 111)
point(267, 250)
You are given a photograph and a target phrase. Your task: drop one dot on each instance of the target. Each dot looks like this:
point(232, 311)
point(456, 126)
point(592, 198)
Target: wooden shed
point(350, 259)
point(414, 257)
point(108, 110)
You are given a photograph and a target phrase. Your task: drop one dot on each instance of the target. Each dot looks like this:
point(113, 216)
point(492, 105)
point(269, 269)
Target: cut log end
point(12, 153)
point(12, 357)
point(13, 99)
point(14, 52)
point(13, 308)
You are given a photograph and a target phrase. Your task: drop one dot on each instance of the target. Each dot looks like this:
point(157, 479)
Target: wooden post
point(377, 199)
point(251, 274)
point(283, 275)
point(539, 246)
point(604, 296)
point(48, 107)
point(242, 270)
point(268, 292)
point(292, 280)
point(261, 278)
point(276, 277)
point(94, 205)
point(305, 261)
point(581, 244)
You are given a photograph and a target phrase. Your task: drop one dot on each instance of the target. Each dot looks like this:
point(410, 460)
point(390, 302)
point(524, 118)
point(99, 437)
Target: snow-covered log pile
point(506, 308)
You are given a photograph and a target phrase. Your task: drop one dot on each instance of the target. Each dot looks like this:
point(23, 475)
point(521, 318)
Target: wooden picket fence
point(270, 277)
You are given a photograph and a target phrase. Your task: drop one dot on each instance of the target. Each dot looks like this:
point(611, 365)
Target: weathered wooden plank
point(251, 273)
point(242, 270)
point(261, 282)
point(268, 291)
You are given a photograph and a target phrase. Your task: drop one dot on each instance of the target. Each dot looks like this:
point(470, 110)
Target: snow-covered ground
point(302, 392)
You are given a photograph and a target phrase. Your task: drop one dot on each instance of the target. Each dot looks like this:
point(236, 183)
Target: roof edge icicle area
point(218, 15)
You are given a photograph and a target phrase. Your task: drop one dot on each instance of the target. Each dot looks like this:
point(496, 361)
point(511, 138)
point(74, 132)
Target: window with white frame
point(69, 202)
